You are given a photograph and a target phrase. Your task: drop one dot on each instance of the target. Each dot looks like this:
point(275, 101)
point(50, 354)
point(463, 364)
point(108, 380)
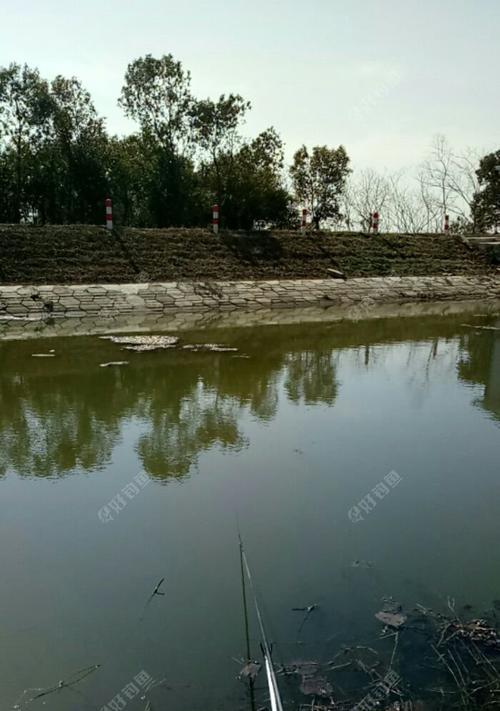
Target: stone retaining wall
point(37, 302)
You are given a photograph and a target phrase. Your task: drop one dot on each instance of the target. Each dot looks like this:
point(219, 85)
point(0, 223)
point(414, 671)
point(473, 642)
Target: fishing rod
point(274, 693)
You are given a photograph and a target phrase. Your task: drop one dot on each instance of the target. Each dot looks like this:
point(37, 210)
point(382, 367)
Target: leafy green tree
point(151, 186)
point(25, 108)
point(486, 206)
point(8, 200)
point(216, 134)
point(256, 190)
point(52, 149)
point(128, 171)
point(72, 162)
point(157, 94)
point(319, 181)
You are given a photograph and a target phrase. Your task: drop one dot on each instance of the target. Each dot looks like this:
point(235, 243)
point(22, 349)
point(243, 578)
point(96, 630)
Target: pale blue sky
point(380, 76)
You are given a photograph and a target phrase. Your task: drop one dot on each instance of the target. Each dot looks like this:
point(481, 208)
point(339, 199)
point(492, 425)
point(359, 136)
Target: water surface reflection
point(67, 414)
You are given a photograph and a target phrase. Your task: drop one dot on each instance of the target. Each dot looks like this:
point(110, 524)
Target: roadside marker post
point(446, 224)
point(375, 222)
point(109, 214)
point(215, 219)
point(303, 224)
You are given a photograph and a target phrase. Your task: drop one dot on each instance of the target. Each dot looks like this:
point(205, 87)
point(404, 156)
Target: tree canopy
point(58, 164)
point(486, 208)
point(319, 180)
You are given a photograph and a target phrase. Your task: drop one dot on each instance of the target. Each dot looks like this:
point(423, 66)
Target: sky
point(381, 77)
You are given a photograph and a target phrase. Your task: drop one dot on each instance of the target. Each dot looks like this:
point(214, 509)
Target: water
point(287, 440)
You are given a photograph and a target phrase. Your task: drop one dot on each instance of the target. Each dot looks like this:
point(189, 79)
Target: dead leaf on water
point(391, 619)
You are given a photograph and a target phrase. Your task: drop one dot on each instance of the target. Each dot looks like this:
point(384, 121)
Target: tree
point(8, 206)
point(406, 210)
point(486, 206)
point(369, 193)
point(319, 181)
point(25, 107)
point(255, 189)
point(75, 152)
point(157, 94)
point(448, 183)
point(215, 126)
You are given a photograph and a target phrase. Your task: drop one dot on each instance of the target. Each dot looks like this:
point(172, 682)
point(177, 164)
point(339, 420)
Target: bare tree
point(449, 181)
point(407, 211)
point(368, 194)
point(431, 207)
point(436, 172)
point(445, 185)
point(402, 208)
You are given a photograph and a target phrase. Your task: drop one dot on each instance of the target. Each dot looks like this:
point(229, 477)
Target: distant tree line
point(464, 186)
point(58, 164)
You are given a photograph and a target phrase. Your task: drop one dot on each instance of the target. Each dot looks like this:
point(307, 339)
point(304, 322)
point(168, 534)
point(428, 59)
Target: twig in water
point(72, 680)
point(307, 611)
point(461, 689)
point(155, 592)
point(396, 640)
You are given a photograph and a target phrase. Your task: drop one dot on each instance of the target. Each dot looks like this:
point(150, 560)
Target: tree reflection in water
point(480, 364)
point(67, 414)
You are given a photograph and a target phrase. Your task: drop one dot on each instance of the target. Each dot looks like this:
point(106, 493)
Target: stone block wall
point(112, 300)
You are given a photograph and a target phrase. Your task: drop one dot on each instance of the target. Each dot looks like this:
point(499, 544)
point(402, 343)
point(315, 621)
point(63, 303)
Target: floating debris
point(391, 605)
point(361, 564)
point(436, 661)
point(480, 328)
point(250, 671)
point(300, 667)
point(474, 631)
point(307, 609)
point(156, 592)
point(50, 354)
point(212, 347)
point(72, 680)
point(143, 343)
point(391, 619)
point(316, 686)
point(114, 362)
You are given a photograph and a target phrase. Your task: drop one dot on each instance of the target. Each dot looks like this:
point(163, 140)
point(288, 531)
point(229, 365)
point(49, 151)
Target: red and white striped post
point(446, 223)
point(215, 218)
point(375, 222)
point(109, 214)
point(303, 224)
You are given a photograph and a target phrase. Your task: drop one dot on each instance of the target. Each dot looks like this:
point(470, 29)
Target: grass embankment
point(81, 254)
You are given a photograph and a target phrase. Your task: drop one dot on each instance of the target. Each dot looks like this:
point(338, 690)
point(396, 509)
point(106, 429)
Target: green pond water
point(286, 435)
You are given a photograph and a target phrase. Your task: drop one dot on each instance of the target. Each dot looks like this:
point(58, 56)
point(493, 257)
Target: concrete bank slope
point(112, 300)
